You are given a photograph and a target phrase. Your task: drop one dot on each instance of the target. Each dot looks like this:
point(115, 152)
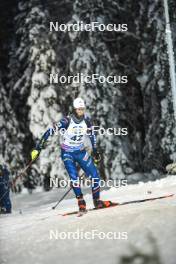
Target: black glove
point(96, 156)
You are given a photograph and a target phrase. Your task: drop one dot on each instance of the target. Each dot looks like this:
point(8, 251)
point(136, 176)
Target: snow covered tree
point(43, 99)
point(19, 74)
point(11, 148)
point(35, 100)
point(158, 120)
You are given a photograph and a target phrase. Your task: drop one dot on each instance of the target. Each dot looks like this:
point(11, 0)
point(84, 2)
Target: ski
point(118, 204)
point(79, 214)
point(88, 210)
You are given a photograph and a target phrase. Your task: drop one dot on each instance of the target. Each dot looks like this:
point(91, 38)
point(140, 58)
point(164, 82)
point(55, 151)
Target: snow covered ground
point(144, 232)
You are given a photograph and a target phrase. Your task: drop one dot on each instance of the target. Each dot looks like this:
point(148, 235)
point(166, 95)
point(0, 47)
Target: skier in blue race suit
point(74, 129)
point(5, 203)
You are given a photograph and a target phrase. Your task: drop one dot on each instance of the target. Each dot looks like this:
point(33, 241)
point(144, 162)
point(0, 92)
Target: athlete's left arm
point(91, 133)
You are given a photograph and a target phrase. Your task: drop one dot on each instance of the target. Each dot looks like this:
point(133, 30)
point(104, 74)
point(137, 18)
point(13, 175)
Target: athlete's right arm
point(62, 124)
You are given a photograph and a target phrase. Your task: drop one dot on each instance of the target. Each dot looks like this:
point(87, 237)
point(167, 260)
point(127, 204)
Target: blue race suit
point(73, 151)
point(5, 202)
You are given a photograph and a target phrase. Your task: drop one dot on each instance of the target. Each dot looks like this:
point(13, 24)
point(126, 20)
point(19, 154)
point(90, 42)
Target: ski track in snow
point(25, 236)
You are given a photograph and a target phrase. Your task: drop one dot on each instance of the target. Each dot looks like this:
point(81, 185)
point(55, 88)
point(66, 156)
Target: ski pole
point(65, 194)
point(23, 172)
point(54, 207)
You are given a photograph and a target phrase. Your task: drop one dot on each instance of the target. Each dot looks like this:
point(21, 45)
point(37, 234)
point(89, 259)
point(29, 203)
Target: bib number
point(77, 138)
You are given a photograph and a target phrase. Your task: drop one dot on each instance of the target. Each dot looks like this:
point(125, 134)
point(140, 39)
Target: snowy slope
point(149, 227)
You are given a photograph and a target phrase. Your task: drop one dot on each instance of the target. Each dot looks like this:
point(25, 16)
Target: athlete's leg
point(7, 202)
point(86, 163)
point(70, 166)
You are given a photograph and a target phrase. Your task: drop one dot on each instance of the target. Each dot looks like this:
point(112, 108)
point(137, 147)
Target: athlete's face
point(80, 111)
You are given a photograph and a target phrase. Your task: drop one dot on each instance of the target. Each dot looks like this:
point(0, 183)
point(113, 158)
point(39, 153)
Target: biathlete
point(74, 129)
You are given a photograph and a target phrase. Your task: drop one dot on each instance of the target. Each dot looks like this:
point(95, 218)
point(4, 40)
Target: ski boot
point(81, 204)
point(5, 211)
point(102, 204)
